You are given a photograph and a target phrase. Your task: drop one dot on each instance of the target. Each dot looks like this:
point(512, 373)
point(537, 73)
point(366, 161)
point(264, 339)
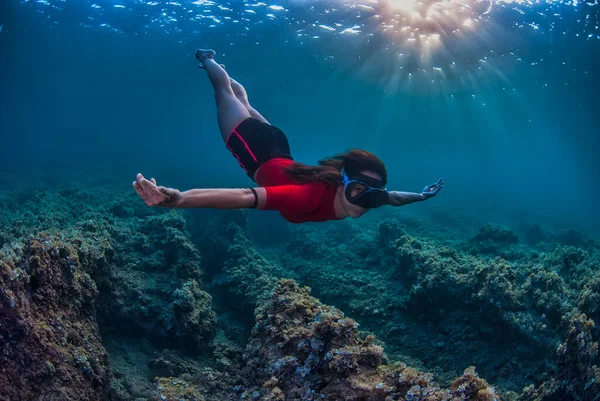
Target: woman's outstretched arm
point(397, 198)
point(222, 198)
point(217, 198)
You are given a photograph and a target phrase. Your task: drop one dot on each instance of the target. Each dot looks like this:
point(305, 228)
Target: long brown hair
point(329, 170)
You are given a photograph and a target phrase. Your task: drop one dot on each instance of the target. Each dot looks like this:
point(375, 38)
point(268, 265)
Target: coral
point(534, 234)
point(546, 292)
point(144, 272)
point(437, 298)
point(491, 238)
point(49, 340)
point(300, 343)
point(302, 349)
point(468, 300)
point(566, 258)
point(151, 284)
point(572, 237)
point(420, 297)
point(495, 233)
point(195, 320)
point(250, 276)
point(578, 378)
point(575, 265)
point(176, 389)
point(589, 297)
point(471, 387)
point(390, 229)
point(227, 353)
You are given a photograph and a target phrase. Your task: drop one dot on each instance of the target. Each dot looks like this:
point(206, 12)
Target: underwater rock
point(504, 315)
point(546, 292)
point(572, 237)
point(181, 377)
point(302, 349)
point(534, 234)
point(390, 229)
point(495, 233)
point(145, 273)
point(171, 363)
point(576, 266)
point(491, 238)
point(50, 348)
point(176, 389)
point(249, 275)
point(433, 304)
point(152, 287)
point(480, 305)
point(227, 353)
point(578, 378)
point(214, 237)
point(195, 321)
point(589, 298)
point(566, 258)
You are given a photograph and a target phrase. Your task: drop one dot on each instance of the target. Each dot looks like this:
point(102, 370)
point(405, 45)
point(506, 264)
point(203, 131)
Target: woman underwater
point(344, 185)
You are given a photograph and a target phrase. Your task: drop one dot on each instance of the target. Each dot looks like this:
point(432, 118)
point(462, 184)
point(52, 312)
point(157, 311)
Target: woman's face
point(351, 209)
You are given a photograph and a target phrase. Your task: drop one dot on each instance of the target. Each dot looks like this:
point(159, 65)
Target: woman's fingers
point(146, 185)
point(138, 189)
point(142, 180)
point(148, 191)
point(141, 193)
point(439, 184)
point(433, 189)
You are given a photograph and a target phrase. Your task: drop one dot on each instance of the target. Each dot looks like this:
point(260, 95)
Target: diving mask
point(368, 192)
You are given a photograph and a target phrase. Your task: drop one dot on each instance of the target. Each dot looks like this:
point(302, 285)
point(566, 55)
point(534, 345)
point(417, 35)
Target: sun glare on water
point(433, 41)
point(398, 41)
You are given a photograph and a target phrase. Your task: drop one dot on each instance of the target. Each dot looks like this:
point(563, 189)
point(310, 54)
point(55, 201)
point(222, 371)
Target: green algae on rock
point(433, 301)
point(302, 349)
point(579, 375)
point(50, 345)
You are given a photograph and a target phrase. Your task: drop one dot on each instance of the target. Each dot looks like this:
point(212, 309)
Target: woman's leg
point(230, 110)
point(241, 94)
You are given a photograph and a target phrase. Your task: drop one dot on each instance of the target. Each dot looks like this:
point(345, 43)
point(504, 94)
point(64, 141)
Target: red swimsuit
point(296, 203)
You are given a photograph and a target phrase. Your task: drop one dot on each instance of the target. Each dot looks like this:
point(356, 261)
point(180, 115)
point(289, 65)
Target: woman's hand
point(154, 195)
point(433, 189)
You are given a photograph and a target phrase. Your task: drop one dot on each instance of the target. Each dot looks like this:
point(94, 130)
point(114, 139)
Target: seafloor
point(103, 298)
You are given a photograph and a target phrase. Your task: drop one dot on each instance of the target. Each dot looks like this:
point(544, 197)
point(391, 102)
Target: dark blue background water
point(517, 138)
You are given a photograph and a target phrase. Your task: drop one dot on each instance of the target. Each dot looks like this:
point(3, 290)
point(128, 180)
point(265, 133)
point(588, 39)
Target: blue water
point(498, 98)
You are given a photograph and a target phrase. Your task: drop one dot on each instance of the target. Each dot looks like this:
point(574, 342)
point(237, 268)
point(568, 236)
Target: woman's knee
point(224, 94)
point(245, 103)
